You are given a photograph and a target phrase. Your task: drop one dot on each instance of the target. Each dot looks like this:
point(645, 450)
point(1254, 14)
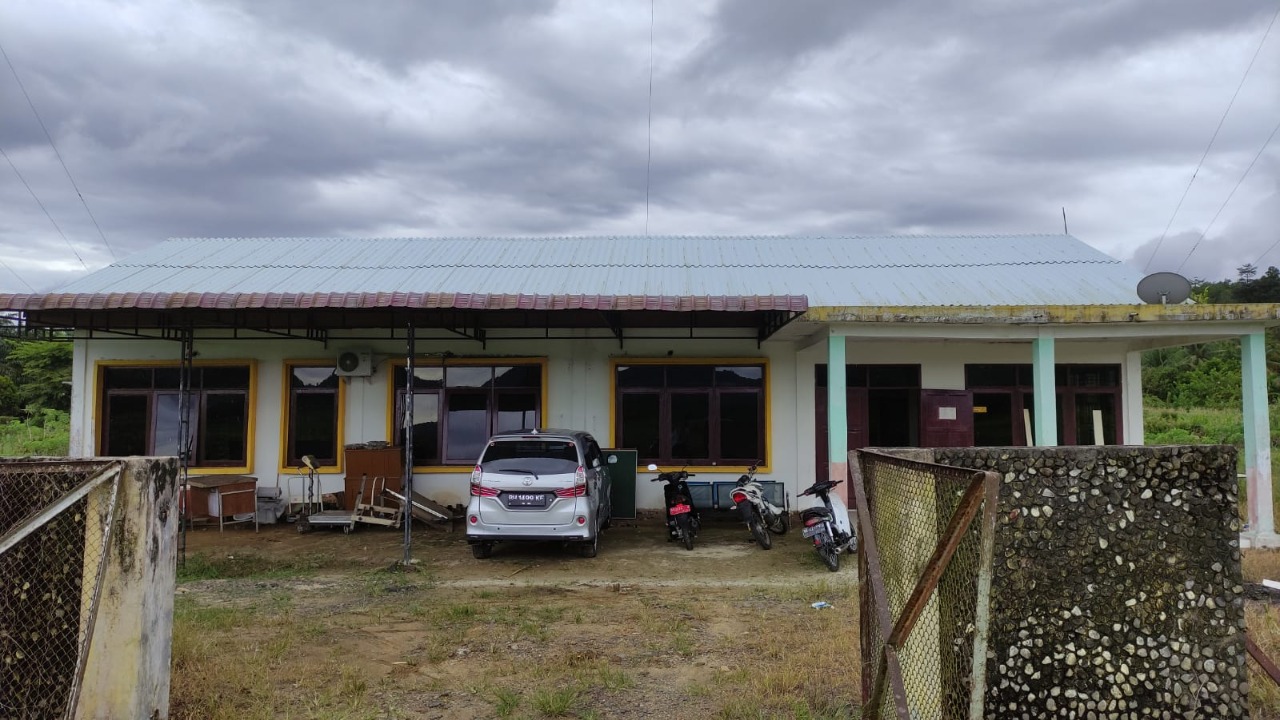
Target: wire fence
point(927, 551)
point(55, 531)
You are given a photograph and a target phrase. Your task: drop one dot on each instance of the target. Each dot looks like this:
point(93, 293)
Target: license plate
point(526, 500)
point(680, 509)
point(812, 531)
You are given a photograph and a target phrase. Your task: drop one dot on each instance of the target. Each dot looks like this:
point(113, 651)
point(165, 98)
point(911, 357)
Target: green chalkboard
point(622, 474)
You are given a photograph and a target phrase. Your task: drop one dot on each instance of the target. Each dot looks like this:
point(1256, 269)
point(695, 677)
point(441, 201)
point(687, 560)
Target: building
point(710, 352)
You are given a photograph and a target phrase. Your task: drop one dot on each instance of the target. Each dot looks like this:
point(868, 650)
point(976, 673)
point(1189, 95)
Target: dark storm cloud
point(241, 117)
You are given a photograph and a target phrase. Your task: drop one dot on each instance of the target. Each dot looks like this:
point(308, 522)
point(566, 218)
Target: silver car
point(539, 485)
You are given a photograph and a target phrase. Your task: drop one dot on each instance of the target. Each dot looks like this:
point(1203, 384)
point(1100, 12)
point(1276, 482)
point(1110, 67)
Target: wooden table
point(220, 497)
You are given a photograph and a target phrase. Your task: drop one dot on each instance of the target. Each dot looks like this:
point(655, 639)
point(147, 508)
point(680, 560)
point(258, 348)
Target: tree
point(1247, 272)
point(43, 373)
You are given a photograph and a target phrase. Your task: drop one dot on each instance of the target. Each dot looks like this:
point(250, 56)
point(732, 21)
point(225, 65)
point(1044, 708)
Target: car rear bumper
point(484, 532)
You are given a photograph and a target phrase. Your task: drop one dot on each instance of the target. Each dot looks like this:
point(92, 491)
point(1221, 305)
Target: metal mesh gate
point(926, 601)
point(55, 531)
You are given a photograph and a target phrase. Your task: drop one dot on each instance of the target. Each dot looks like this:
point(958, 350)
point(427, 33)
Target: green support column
point(1257, 441)
point(1044, 383)
point(837, 412)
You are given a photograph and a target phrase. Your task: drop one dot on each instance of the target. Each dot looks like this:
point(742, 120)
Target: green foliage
point(47, 432)
point(44, 373)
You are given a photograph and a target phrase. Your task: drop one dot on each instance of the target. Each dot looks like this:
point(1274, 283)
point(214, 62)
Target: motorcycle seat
point(814, 512)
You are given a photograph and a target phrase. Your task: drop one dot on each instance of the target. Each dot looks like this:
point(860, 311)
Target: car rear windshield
point(537, 456)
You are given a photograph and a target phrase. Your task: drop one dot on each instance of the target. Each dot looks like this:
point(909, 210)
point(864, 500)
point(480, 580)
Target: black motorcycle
point(683, 519)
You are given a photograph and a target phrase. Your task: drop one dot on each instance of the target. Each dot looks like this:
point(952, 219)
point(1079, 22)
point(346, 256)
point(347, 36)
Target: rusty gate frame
point(984, 485)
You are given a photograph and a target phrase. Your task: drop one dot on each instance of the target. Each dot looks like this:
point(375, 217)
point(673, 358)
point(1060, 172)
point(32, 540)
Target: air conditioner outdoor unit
point(355, 364)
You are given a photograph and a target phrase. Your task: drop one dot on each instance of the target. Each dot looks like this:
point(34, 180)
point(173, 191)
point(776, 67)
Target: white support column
point(837, 412)
point(1044, 381)
point(1257, 442)
point(1131, 399)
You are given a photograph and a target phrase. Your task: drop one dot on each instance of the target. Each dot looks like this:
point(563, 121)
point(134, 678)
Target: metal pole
point(408, 446)
point(184, 438)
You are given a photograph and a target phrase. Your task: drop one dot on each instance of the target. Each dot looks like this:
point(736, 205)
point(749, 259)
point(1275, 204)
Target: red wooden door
point(856, 417)
point(946, 418)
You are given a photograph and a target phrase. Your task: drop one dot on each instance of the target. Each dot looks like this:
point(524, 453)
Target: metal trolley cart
point(312, 513)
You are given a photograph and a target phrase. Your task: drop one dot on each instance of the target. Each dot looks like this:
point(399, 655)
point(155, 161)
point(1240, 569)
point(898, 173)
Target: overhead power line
point(1230, 195)
point(61, 162)
point(42, 208)
point(1214, 137)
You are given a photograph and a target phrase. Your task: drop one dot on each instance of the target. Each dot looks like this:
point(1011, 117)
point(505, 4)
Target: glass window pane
point(426, 427)
point(690, 427)
point(425, 377)
point(468, 377)
point(1086, 428)
point(1094, 375)
point(855, 376)
point(126, 425)
point(695, 376)
point(223, 435)
point(646, 376)
point(638, 424)
point(315, 427)
point(167, 378)
point(740, 376)
point(976, 376)
point(518, 376)
point(895, 376)
point(517, 411)
point(313, 377)
point(741, 427)
point(126, 378)
point(466, 426)
point(223, 377)
point(165, 426)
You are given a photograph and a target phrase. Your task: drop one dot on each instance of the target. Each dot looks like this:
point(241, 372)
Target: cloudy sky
point(532, 117)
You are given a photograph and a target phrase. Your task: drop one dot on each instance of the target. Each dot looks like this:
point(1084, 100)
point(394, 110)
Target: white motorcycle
point(828, 524)
point(762, 516)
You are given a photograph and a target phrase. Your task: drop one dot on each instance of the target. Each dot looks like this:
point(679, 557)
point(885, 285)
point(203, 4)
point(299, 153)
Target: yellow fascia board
point(283, 453)
point(615, 361)
point(1268, 313)
point(250, 422)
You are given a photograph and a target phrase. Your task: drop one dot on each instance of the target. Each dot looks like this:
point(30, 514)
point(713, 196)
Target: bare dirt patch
point(280, 624)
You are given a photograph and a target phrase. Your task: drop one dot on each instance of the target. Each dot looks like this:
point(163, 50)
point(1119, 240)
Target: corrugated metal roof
point(613, 272)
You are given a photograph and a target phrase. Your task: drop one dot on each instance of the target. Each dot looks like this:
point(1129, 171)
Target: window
point(313, 424)
point(693, 414)
point(1088, 403)
point(142, 414)
point(456, 408)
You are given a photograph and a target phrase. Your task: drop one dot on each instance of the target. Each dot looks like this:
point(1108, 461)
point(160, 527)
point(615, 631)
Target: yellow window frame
point(435, 361)
point(765, 467)
point(99, 395)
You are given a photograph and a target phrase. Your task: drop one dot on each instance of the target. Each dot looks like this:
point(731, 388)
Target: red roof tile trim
point(461, 301)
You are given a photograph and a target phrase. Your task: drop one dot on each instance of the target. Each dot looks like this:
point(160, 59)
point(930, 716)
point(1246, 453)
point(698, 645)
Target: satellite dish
point(1164, 288)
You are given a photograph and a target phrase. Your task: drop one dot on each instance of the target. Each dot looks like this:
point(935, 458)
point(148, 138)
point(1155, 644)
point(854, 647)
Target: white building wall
point(578, 392)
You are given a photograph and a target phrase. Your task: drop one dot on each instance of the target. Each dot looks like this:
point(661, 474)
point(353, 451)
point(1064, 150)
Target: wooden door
point(946, 418)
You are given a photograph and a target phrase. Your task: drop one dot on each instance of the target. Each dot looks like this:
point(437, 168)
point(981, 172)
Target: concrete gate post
point(1257, 442)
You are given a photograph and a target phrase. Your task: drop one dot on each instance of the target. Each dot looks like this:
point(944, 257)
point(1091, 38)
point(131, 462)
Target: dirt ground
point(317, 625)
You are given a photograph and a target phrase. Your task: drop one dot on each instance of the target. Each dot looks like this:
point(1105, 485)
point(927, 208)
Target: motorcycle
point(760, 515)
point(828, 524)
point(683, 519)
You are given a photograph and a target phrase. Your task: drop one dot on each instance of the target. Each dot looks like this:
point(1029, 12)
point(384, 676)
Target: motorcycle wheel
point(759, 532)
point(685, 531)
point(827, 551)
point(780, 523)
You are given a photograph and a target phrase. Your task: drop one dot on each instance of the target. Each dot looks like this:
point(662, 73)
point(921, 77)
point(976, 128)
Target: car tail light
point(579, 488)
point(474, 519)
point(582, 520)
point(478, 490)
